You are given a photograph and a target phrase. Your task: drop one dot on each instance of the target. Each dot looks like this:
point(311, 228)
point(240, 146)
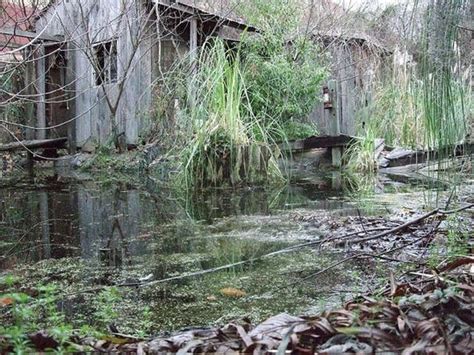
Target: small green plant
point(24, 315)
point(106, 306)
point(22, 320)
point(457, 238)
point(360, 156)
point(453, 245)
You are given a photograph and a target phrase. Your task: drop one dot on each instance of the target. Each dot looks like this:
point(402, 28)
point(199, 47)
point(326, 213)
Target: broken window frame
point(106, 62)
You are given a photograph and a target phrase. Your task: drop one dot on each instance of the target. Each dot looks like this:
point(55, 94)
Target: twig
point(460, 209)
point(353, 233)
point(380, 256)
point(410, 223)
point(396, 229)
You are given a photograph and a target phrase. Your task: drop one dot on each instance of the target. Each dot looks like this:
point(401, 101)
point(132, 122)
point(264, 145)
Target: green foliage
point(457, 238)
point(32, 314)
point(26, 315)
point(284, 67)
point(298, 130)
point(444, 116)
point(105, 304)
point(453, 245)
point(13, 110)
point(394, 112)
point(424, 106)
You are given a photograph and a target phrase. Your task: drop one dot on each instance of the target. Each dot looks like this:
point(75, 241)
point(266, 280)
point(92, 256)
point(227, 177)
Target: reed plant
point(444, 96)
point(360, 156)
point(227, 144)
point(424, 104)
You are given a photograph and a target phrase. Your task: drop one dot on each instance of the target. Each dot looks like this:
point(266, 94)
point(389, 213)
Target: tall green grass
point(423, 104)
point(360, 156)
point(394, 110)
point(415, 109)
point(444, 97)
point(227, 144)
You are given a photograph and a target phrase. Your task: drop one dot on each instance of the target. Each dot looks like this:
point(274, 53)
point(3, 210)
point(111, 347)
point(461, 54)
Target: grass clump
point(424, 102)
point(360, 156)
point(228, 144)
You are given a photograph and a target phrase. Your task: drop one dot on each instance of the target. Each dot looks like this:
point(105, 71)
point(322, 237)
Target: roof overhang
point(194, 10)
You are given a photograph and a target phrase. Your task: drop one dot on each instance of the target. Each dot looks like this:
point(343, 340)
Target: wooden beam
point(30, 77)
point(402, 157)
point(193, 38)
point(31, 35)
point(335, 122)
point(34, 144)
point(71, 96)
point(9, 45)
point(318, 142)
point(41, 87)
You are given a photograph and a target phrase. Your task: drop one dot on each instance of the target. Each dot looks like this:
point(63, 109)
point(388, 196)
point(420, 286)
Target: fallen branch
point(366, 255)
point(409, 223)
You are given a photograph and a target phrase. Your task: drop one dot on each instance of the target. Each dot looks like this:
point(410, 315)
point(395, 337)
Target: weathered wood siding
point(86, 22)
point(353, 67)
point(99, 21)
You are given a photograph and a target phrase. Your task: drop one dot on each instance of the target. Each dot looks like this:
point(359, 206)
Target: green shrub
point(284, 68)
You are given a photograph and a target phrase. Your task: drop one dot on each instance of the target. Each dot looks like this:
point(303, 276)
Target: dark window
point(106, 62)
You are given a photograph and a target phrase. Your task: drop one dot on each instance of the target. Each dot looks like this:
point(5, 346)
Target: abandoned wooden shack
point(97, 77)
point(357, 60)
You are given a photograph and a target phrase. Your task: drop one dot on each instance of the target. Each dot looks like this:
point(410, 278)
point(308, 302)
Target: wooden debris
point(57, 143)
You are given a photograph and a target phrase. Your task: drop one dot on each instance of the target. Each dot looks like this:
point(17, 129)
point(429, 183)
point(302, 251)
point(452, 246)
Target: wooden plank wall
point(354, 67)
point(91, 109)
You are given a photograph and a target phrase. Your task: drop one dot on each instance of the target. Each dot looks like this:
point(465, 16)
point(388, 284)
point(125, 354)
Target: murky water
point(81, 234)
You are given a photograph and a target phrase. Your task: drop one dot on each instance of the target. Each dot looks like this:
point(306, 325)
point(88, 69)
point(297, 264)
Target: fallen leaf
point(233, 292)
point(6, 301)
point(43, 341)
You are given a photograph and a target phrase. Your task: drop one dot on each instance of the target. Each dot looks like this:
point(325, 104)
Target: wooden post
point(193, 44)
point(30, 92)
point(71, 96)
point(41, 84)
point(334, 123)
point(30, 78)
point(336, 181)
point(193, 38)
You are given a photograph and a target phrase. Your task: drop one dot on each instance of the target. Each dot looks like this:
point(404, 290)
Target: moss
point(271, 286)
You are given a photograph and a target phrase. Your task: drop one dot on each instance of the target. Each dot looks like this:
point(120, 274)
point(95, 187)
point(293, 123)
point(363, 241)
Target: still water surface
point(82, 234)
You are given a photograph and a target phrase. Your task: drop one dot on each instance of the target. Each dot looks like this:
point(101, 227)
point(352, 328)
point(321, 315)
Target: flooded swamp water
point(95, 233)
